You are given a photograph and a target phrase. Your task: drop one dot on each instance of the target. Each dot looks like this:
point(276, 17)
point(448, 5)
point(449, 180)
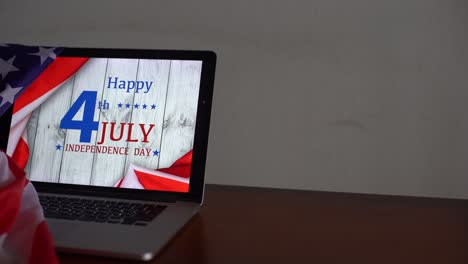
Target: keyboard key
point(128, 221)
point(68, 217)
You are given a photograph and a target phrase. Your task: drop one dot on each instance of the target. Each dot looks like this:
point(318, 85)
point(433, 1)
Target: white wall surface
point(355, 96)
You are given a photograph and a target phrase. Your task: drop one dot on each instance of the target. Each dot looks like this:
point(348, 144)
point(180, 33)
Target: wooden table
point(256, 225)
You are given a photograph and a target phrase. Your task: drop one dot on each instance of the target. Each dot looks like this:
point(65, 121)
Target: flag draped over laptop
point(24, 236)
point(173, 179)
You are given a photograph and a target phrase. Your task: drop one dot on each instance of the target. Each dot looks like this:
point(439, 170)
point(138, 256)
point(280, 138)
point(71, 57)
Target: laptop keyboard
point(102, 211)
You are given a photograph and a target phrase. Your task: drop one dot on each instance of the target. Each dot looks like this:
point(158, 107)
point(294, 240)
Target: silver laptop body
point(127, 129)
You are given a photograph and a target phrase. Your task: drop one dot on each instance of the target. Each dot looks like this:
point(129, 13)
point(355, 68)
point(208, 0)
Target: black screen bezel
point(200, 144)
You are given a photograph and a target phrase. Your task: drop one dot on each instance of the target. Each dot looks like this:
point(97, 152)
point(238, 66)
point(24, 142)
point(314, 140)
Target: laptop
point(117, 146)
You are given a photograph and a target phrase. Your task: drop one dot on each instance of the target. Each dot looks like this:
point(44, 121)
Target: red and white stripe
point(176, 178)
point(24, 236)
point(142, 178)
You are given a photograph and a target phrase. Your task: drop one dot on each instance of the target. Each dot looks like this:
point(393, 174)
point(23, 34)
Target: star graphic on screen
point(155, 152)
point(44, 54)
point(7, 67)
point(144, 106)
point(8, 95)
point(127, 105)
point(136, 105)
point(58, 147)
point(153, 106)
point(120, 105)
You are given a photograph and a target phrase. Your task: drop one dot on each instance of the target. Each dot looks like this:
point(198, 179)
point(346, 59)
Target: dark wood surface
point(255, 225)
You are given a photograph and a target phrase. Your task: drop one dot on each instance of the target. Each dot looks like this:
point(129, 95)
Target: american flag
point(19, 67)
point(162, 179)
point(24, 236)
point(28, 77)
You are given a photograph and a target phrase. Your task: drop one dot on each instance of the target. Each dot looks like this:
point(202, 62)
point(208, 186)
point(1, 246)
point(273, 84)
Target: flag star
point(127, 105)
point(120, 105)
point(8, 95)
point(155, 152)
point(136, 105)
point(44, 54)
point(7, 67)
point(144, 106)
point(153, 106)
point(58, 147)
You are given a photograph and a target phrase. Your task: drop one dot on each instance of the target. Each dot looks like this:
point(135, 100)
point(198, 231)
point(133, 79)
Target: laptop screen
point(124, 123)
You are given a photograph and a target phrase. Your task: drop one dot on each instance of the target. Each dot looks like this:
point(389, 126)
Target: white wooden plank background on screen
point(108, 168)
point(158, 72)
point(77, 166)
point(31, 137)
point(46, 159)
point(180, 112)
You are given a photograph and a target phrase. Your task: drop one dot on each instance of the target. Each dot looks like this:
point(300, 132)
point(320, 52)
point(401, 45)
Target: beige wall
point(356, 96)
